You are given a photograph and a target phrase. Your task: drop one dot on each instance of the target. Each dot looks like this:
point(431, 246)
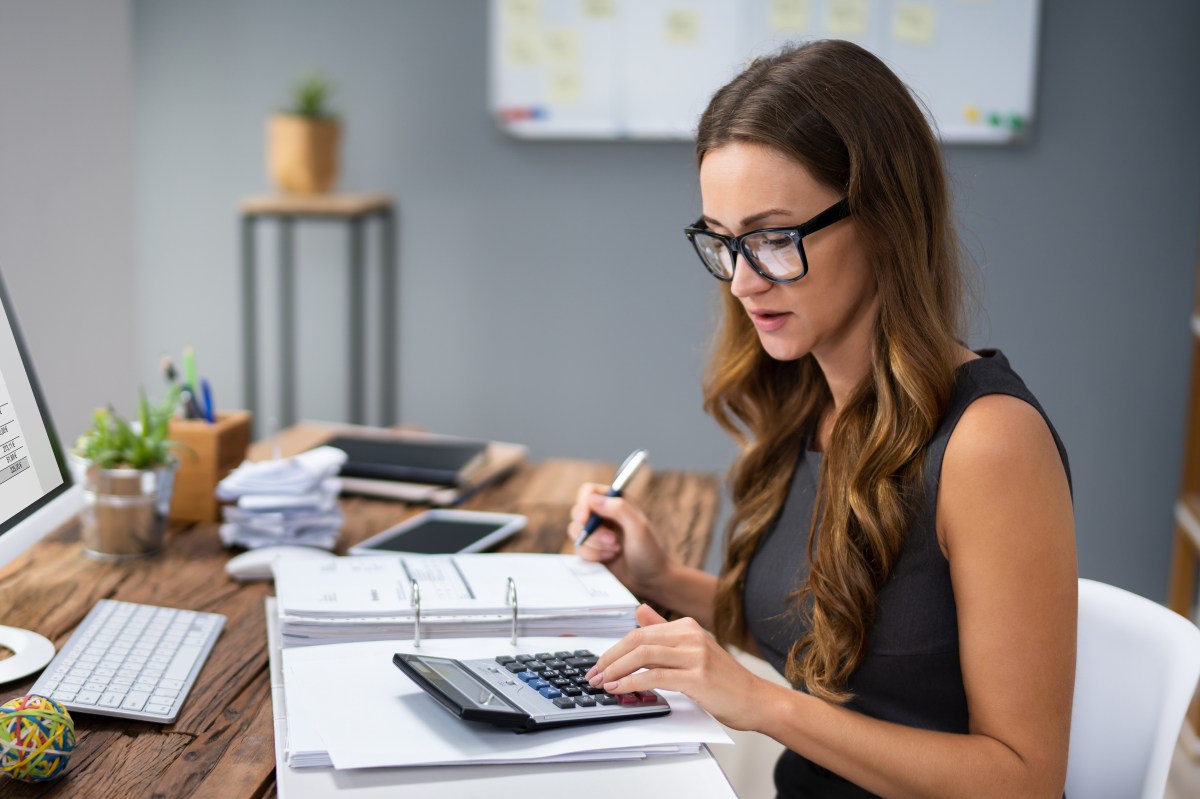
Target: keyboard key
point(135, 700)
point(606, 699)
point(629, 699)
point(504, 660)
point(647, 697)
point(564, 702)
point(550, 692)
point(86, 698)
point(160, 709)
point(111, 699)
point(516, 667)
point(585, 701)
point(571, 690)
point(181, 664)
point(545, 656)
point(563, 654)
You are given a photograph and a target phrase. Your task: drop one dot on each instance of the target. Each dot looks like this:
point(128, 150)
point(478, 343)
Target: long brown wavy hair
point(842, 114)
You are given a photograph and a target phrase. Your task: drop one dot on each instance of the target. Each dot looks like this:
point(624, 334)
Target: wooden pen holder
point(208, 453)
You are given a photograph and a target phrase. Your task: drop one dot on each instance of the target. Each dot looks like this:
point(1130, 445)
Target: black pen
point(624, 475)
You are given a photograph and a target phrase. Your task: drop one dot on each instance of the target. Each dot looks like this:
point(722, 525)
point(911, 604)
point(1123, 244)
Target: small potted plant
point(303, 141)
point(127, 471)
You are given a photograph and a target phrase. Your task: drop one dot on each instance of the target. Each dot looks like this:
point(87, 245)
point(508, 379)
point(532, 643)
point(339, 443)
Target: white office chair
point(1137, 668)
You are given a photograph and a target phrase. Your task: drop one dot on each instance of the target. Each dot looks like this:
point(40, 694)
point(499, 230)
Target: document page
point(381, 585)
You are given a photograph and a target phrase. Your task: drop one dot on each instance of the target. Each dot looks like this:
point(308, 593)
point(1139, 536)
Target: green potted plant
point(303, 140)
point(127, 471)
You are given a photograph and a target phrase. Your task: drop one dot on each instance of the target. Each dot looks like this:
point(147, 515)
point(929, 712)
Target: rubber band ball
point(37, 736)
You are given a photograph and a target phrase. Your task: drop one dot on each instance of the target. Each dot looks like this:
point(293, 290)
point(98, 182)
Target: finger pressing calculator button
point(564, 702)
point(581, 662)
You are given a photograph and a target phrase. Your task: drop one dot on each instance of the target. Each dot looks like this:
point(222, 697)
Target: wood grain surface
point(222, 744)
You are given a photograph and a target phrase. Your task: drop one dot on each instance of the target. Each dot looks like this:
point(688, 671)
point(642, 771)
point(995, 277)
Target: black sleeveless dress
point(911, 673)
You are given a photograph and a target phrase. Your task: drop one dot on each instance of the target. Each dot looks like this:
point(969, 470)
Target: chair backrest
point(1137, 668)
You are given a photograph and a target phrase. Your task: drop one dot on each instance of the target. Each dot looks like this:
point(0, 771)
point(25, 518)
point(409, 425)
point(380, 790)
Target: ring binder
point(416, 604)
point(511, 599)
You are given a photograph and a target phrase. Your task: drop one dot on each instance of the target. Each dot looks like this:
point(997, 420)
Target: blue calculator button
point(540, 684)
point(550, 692)
point(527, 676)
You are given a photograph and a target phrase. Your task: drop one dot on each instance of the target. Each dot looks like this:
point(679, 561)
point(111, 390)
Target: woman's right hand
point(624, 541)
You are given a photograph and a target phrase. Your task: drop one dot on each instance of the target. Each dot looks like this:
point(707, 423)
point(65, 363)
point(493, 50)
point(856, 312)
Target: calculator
point(527, 692)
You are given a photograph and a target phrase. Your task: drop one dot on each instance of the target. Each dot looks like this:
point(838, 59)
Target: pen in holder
point(511, 599)
point(416, 604)
point(208, 452)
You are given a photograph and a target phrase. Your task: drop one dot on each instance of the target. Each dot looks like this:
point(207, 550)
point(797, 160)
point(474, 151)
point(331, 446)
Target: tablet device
point(443, 532)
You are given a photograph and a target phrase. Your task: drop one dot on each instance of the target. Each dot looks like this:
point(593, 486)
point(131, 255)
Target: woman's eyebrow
point(753, 218)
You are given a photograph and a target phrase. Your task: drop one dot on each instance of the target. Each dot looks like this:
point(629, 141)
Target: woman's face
point(831, 311)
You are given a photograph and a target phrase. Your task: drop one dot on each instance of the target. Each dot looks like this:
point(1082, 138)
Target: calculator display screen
point(447, 674)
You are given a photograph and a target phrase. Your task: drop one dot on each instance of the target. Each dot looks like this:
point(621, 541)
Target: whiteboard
point(645, 69)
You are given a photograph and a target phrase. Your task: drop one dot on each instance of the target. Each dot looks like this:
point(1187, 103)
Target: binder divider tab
point(416, 604)
point(511, 599)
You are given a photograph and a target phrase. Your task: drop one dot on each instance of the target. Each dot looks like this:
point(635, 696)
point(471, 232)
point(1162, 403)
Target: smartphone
point(443, 532)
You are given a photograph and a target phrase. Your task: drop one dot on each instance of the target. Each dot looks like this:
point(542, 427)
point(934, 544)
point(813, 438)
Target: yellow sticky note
point(523, 12)
point(971, 114)
point(681, 26)
point(846, 17)
point(562, 44)
point(789, 16)
point(524, 48)
point(914, 23)
point(599, 9)
point(564, 85)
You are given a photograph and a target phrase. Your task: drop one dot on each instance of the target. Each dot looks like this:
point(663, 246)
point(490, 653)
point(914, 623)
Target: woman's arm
point(1005, 521)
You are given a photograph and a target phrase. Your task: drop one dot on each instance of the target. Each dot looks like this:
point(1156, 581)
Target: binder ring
point(511, 599)
point(416, 604)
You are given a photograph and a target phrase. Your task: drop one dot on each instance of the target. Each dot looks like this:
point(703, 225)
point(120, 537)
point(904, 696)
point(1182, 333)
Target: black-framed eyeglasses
point(775, 253)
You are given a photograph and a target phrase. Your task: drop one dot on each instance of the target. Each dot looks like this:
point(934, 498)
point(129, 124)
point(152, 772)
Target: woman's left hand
point(682, 656)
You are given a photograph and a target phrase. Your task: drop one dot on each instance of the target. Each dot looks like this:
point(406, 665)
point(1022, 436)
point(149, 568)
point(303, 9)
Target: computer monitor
point(37, 494)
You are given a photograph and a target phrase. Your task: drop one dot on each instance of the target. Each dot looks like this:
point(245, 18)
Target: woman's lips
point(767, 321)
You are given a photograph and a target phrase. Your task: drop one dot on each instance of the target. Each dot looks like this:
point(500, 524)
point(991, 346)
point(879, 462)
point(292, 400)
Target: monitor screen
point(34, 479)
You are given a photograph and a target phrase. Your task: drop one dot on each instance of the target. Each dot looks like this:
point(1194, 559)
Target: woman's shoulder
point(993, 422)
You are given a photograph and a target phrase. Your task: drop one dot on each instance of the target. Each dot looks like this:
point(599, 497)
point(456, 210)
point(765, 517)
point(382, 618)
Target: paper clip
point(511, 599)
point(416, 604)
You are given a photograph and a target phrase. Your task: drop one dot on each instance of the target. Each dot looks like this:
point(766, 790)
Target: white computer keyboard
point(130, 660)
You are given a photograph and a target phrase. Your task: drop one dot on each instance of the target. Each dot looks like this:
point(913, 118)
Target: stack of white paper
point(461, 596)
point(289, 501)
point(348, 706)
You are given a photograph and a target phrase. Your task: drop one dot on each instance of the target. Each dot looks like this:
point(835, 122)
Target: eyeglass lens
point(777, 253)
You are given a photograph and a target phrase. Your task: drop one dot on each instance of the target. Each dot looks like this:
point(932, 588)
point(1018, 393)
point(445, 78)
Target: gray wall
point(547, 295)
point(66, 199)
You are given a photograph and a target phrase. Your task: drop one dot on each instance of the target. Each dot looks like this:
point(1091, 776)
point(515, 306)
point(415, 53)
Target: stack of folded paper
point(287, 501)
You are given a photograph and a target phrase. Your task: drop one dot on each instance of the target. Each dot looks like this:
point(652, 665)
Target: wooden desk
point(222, 744)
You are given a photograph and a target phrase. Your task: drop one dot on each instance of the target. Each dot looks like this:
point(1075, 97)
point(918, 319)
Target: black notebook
point(435, 462)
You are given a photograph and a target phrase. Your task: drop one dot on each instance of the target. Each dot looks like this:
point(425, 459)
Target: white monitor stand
point(31, 651)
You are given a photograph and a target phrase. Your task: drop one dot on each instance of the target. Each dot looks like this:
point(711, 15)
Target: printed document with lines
point(407, 727)
point(370, 598)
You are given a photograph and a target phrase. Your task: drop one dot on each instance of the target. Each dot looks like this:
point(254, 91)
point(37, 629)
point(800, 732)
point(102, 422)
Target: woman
point(902, 546)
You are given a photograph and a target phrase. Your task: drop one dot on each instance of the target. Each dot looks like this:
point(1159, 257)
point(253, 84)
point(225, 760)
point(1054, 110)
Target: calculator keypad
point(559, 679)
